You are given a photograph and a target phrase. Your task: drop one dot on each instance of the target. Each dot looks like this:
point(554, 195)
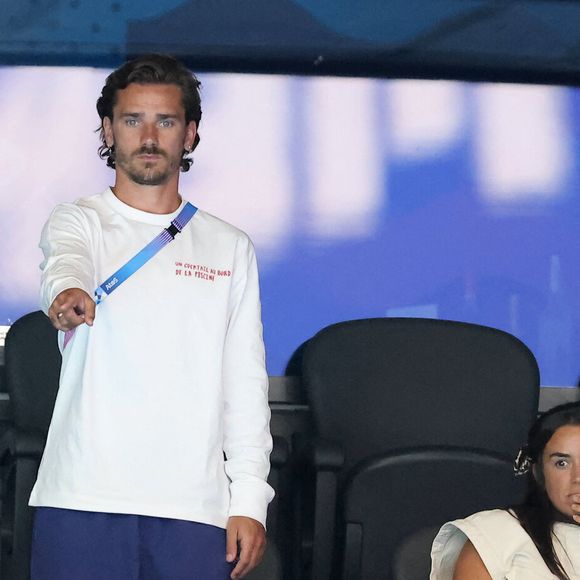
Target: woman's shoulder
point(490, 520)
point(496, 535)
point(496, 526)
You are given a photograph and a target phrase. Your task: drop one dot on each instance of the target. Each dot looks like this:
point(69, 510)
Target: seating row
point(414, 422)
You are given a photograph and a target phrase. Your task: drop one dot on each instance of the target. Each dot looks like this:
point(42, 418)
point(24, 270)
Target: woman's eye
point(561, 463)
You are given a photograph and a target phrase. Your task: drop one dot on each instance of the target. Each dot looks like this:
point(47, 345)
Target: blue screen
point(364, 197)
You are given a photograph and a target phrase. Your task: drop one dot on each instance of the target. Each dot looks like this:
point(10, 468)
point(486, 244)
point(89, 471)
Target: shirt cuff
point(250, 499)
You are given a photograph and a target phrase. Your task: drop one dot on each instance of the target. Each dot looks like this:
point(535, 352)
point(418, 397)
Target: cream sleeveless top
point(504, 546)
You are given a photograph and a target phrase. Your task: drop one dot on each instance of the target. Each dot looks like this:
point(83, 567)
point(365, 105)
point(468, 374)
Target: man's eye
point(561, 463)
point(131, 122)
point(166, 123)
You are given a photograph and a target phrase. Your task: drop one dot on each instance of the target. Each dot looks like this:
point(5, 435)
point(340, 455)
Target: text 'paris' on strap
point(141, 258)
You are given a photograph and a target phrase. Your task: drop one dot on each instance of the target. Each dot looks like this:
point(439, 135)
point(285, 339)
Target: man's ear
point(108, 132)
point(191, 137)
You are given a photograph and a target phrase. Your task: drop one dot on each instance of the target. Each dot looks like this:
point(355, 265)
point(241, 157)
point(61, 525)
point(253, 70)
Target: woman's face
point(561, 466)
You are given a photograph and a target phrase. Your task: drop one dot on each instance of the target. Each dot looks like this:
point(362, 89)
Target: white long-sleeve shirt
point(169, 378)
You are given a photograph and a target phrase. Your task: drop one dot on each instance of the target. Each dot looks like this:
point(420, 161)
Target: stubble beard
point(148, 174)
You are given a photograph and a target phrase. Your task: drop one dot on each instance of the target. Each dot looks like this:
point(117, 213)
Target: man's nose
point(149, 135)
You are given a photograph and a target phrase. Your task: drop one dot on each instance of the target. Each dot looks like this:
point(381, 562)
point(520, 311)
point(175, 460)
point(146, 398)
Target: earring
point(110, 154)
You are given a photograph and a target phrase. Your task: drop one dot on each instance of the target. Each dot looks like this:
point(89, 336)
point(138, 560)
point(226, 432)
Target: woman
point(541, 537)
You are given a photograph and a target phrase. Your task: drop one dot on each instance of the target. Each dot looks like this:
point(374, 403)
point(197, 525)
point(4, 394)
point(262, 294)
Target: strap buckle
point(173, 229)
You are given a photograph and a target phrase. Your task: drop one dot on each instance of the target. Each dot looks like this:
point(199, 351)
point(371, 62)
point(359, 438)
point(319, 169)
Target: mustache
point(150, 150)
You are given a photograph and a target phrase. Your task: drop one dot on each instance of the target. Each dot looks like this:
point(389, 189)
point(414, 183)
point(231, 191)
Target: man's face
point(561, 466)
point(149, 132)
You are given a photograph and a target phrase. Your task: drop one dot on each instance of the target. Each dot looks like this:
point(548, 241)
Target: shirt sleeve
point(247, 440)
point(66, 244)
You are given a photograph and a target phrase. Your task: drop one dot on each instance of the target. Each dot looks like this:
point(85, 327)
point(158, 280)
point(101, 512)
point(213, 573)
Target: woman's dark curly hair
point(152, 69)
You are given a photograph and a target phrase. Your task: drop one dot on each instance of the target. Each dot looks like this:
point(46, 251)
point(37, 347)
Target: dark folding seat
point(392, 507)
point(396, 402)
point(32, 363)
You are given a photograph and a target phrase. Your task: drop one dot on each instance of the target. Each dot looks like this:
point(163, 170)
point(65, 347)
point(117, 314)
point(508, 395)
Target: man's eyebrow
point(558, 454)
point(160, 116)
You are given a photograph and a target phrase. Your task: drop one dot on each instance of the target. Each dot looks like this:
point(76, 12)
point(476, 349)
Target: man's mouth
point(150, 154)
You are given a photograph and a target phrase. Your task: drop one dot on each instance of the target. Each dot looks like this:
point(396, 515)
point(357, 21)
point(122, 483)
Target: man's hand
point(71, 308)
point(246, 541)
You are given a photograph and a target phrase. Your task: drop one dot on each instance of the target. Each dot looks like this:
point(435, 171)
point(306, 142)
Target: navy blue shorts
point(75, 545)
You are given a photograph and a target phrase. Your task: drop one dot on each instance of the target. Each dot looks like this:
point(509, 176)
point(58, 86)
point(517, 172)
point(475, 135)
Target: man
point(158, 451)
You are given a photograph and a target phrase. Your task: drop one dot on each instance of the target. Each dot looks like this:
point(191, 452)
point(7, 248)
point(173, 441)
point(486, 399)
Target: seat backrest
point(384, 383)
point(32, 362)
point(411, 559)
point(396, 503)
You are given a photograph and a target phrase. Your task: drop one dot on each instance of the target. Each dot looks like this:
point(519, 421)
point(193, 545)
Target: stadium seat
point(380, 386)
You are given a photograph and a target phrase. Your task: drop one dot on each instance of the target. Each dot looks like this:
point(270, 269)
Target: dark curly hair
point(150, 69)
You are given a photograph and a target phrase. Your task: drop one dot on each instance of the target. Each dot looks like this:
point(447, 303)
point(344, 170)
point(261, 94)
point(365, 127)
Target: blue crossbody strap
point(166, 236)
